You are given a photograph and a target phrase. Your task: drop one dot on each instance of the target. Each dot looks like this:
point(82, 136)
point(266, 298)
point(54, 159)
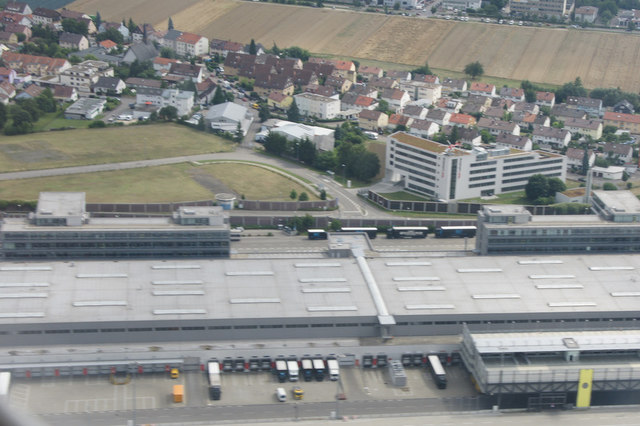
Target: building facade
point(312, 105)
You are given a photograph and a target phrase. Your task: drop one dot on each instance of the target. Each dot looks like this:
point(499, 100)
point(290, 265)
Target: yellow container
point(178, 393)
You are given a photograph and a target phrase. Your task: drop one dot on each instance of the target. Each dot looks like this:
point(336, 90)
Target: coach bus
point(407, 232)
point(372, 232)
point(456, 231)
point(437, 371)
point(317, 234)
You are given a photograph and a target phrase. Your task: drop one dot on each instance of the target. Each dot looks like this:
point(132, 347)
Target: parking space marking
point(19, 396)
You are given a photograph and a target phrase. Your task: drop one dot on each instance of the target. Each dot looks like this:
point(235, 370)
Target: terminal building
point(615, 228)
point(62, 229)
point(450, 173)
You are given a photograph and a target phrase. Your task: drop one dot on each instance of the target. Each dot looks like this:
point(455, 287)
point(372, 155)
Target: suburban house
point(345, 69)
point(415, 111)
point(18, 7)
point(526, 107)
point(438, 116)
point(18, 29)
point(622, 153)
point(311, 105)
point(147, 83)
point(485, 89)
point(30, 92)
point(426, 78)
point(505, 140)
point(448, 104)
point(462, 120)
point(586, 14)
point(85, 109)
point(227, 116)
point(630, 122)
point(465, 136)
point(424, 128)
point(382, 83)
point(372, 120)
point(550, 137)
point(592, 128)
point(45, 17)
point(450, 85)
point(7, 37)
point(397, 99)
point(513, 94)
point(624, 106)
point(182, 100)
point(163, 65)
point(547, 99)
point(7, 74)
point(396, 120)
point(118, 26)
point(496, 127)
point(35, 65)
point(224, 47)
point(7, 90)
point(495, 112)
point(140, 52)
point(85, 74)
point(561, 111)
point(340, 84)
point(73, 41)
point(364, 90)
point(353, 101)
point(279, 101)
point(80, 17)
point(205, 91)
point(267, 83)
point(65, 93)
point(427, 92)
point(575, 157)
point(369, 71)
point(188, 45)
point(329, 92)
point(109, 86)
point(186, 72)
point(593, 107)
point(143, 33)
point(108, 45)
point(14, 18)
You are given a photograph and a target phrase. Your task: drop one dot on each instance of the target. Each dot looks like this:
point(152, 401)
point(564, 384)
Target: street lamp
point(344, 173)
point(297, 156)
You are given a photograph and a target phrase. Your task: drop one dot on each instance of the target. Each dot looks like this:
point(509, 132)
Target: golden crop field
point(546, 55)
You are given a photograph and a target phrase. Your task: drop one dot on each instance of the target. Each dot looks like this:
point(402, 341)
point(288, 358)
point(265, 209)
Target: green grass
point(56, 120)
point(403, 196)
point(169, 183)
point(67, 148)
point(517, 197)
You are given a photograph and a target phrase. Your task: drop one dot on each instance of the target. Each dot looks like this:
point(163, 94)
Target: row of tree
point(20, 117)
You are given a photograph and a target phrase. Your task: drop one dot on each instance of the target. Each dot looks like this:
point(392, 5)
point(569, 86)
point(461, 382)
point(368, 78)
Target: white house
point(182, 100)
point(550, 137)
point(397, 99)
point(322, 107)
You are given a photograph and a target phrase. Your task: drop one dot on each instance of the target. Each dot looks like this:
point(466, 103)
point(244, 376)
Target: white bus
point(213, 368)
point(437, 371)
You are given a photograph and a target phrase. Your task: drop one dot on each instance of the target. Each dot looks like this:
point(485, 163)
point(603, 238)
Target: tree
point(323, 194)
point(424, 70)
point(293, 113)
point(218, 97)
point(474, 69)
point(585, 163)
point(293, 194)
point(170, 26)
point(275, 143)
point(252, 47)
point(239, 135)
point(264, 113)
point(98, 20)
point(303, 196)
point(110, 34)
point(306, 151)
point(3, 115)
point(555, 185)
point(396, 6)
point(76, 27)
point(275, 49)
point(167, 52)
point(131, 26)
point(168, 113)
point(319, 3)
point(367, 166)
point(537, 187)
point(608, 186)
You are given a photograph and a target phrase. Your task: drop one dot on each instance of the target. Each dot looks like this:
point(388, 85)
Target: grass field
point(56, 120)
point(178, 182)
point(97, 146)
point(539, 54)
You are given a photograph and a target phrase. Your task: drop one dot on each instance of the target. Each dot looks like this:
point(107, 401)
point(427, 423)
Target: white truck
point(334, 369)
point(293, 370)
point(281, 370)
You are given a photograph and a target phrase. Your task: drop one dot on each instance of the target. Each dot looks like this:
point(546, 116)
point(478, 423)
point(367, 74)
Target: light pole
point(344, 172)
point(297, 155)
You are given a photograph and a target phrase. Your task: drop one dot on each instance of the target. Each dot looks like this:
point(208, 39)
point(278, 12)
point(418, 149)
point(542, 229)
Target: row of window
point(113, 235)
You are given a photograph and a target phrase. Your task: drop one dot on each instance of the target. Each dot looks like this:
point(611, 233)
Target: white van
point(281, 395)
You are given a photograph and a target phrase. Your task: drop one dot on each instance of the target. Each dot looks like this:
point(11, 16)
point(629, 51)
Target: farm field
point(173, 183)
point(545, 55)
point(48, 150)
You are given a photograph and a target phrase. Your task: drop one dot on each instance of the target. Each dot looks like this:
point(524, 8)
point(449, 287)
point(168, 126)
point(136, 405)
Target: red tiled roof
point(462, 119)
point(545, 96)
point(618, 116)
point(108, 44)
point(364, 101)
point(189, 38)
point(481, 87)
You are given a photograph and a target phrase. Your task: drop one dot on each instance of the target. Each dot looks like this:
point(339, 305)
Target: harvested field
point(544, 55)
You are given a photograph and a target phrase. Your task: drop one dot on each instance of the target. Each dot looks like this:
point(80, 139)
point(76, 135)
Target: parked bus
point(372, 232)
point(213, 368)
point(5, 382)
point(407, 232)
point(317, 234)
point(456, 231)
point(437, 371)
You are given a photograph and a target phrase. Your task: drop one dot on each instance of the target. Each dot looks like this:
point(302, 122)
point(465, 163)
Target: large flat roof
point(110, 224)
point(85, 291)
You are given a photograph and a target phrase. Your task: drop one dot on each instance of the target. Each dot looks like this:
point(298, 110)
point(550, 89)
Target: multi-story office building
point(451, 173)
point(541, 7)
point(508, 229)
point(62, 229)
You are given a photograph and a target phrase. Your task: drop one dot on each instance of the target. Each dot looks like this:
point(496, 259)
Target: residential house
point(593, 107)
point(542, 120)
point(526, 118)
point(30, 92)
point(279, 101)
point(182, 100)
point(621, 153)
point(265, 84)
point(85, 74)
point(415, 111)
point(108, 45)
point(465, 136)
point(547, 99)
point(369, 71)
point(7, 90)
point(341, 84)
point(345, 69)
point(484, 89)
point(143, 33)
point(85, 109)
point(496, 127)
point(73, 41)
point(448, 104)
point(14, 18)
point(353, 101)
point(8, 38)
point(461, 4)
point(550, 137)
point(626, 19)
point(122, 29)
point(451, 85)
point(205, 91)
point(329, 92)
point(163, 65)
point(8, 74)
point(506, 140)
point(317, 106)
point(624, 106)
point(18, 7)
point(140, 52)
point(575, 158)
point(100, 53)
point(80, 17)
point(426, 78)
point(506, 104)
point(476, 104)
point(227, 116)
point(147, 83)
point(495, 113)
point(372, 120)
point(45, 17)
point(34, 65)
point(424, 128)
point(561, 112)
point(189, 45)
point(65, 94)
point(427, 92)
point(186, 72)
point(224, 47)
point(18, 29)
point(364, 90)
point(630, 122)
point(592, 128)
point(397, 99)
point(109, 86)
point(586, 14)
point(462, 120)
point(439, 116)
point(396, 120)
point(513, 94)
point(382, 83)
point(320, 70)
point(526, 107)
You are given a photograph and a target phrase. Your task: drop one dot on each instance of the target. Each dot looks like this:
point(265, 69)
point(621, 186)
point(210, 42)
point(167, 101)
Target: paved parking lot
point(51, 395)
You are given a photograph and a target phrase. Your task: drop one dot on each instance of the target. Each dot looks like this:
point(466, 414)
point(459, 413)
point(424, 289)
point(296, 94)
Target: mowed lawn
point(48, 150)
point(159, 184)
